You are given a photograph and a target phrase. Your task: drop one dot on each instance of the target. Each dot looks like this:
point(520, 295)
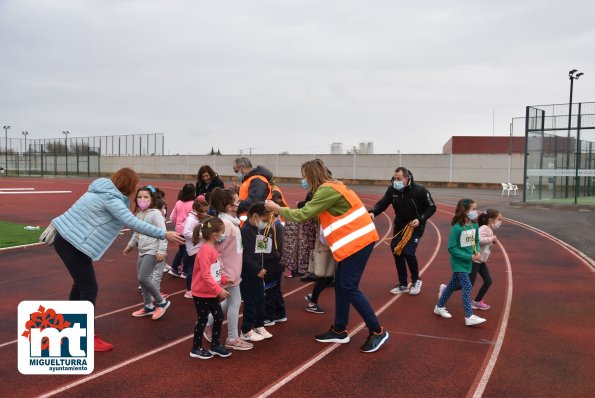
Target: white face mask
point(262, 225)
point(497, 225)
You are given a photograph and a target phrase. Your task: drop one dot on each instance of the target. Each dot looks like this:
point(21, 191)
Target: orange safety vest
point(243, 194)
point(350, 232)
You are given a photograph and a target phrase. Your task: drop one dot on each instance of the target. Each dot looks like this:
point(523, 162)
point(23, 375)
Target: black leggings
point(483, 270)
point(203, 306)
point(81, 269)
point(321, 284)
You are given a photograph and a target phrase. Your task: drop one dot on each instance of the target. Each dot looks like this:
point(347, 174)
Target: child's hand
point(262, 273)
point(160, 257)
point(223, 294)
point(476, 257)
point(127, 250)
point(494, 239)
point(229, 282)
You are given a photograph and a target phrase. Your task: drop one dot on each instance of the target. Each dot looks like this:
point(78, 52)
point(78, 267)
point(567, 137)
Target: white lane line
point(485, 377)
point(31, 192)
point(139, 357)
point(429, 336)
point(301, 369)
point(17, 189)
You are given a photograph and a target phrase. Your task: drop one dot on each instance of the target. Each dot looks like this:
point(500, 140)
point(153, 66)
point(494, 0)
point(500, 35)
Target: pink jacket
point(231, 248)
point(180, 214)
point(207, 277)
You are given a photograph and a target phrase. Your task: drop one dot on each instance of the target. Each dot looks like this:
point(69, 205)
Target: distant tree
point(218, 151)
point(212, 151)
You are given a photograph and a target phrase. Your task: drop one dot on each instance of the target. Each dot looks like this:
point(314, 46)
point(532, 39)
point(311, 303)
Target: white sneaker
point(440, 290)
point(442, 312)
point(474, 320)
point(251, 335)
point(415, 288)
point(263, 332)
point(399, 289)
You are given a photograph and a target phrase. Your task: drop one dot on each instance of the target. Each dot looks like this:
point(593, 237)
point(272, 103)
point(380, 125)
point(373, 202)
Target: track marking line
point(429, 336)
point(17, 189)
point(272, 388)
point(31, 192)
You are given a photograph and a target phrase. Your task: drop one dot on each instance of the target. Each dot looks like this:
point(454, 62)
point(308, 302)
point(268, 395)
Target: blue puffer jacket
point(95, 220)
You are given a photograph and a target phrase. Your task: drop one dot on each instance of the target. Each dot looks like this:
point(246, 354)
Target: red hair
point(125, 180)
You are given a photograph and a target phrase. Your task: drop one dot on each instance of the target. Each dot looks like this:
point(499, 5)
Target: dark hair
point(463, 207)
point(403, 170)
point(204, 169)
point(221, 198)
point(210, 226)
point(125, 180)
point(151, 192)
point(187, 193)
point(257, 208)
point(278, 198)
point(487, 215)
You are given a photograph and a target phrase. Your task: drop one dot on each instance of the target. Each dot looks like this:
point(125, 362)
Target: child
point(324, 266)
point(274, 305)
point(488, 221)
point(463, 242)
point(206, 288)
point(224, 202)
point(179, 214)
point(195, 219)
point(161, 266)
point(259, 252)
point(150, 252)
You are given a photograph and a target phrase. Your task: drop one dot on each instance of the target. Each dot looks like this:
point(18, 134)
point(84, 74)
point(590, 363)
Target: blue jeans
point(349, 273)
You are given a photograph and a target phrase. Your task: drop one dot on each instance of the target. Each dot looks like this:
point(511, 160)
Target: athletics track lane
point(413, 362)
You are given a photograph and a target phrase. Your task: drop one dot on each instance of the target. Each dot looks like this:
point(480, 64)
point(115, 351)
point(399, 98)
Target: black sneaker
point(332, 336)
point(220, 350)
point(314, 308)
point(201, 353)
point(374, 341)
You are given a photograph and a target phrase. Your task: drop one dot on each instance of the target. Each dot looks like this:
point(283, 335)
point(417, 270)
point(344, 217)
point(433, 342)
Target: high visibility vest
point(243, 194)
point(350, 232)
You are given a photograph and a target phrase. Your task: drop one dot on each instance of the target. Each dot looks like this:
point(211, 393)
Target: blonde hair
point(316, 173)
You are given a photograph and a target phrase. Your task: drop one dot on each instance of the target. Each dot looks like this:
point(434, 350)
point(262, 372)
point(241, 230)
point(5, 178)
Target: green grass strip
point(14, 234)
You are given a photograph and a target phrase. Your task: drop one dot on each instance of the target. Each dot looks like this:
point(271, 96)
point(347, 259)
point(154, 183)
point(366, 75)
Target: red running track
point(538, 340)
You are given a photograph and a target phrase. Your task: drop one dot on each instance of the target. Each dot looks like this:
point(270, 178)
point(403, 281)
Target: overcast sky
point(288, 75)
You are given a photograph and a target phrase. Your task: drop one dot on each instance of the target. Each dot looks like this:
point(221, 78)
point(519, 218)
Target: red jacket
point(207, 277)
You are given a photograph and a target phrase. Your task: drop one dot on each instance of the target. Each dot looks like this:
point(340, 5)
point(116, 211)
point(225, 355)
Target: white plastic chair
point(505, 188)
point(512, 187)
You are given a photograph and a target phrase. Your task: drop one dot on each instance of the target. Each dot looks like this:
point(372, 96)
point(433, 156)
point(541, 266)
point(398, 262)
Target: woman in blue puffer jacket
point(90, 226)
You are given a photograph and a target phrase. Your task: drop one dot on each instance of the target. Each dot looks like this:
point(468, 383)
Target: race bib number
point(468, 238)
point(216, 271)
point(263, 244)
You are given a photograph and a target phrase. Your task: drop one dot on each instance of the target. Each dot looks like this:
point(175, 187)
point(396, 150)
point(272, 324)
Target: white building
point(337, 148)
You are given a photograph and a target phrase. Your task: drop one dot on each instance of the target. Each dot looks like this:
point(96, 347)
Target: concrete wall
point(439, 169)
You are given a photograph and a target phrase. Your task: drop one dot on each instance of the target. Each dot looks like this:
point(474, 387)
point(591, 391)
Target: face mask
point(472, 215)
point(398, 185)
point(497, 225)
point(262, 225)
point(240, 175)
point(223, 236)
point(305, 184)
point(143, 204)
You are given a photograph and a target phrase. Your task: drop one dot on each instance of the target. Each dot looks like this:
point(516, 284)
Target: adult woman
point(89, 227)
point(207, 180)
point(350, 234)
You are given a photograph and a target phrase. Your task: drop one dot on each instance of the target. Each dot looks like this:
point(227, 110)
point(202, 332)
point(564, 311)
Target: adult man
point(254, 184)
point(413, 205)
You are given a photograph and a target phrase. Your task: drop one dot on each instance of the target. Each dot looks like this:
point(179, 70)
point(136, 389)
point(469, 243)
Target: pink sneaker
point(164, 295)
point(188, 294)
point(160, 310)
point(145, 311)
point(238, 344)
point(208, 333)
point(480, 305)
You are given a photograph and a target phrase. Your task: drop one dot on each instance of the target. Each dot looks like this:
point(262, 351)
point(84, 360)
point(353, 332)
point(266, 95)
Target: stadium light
point(6, 148)
point(572, 77)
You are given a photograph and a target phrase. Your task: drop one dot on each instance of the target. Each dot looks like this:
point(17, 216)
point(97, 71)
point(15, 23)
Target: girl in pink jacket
point(207, 292)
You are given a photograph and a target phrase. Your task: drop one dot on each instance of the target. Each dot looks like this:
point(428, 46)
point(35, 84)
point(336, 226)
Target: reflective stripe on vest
point(350, 232)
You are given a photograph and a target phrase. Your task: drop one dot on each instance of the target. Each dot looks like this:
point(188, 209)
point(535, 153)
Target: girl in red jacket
point(206, 288)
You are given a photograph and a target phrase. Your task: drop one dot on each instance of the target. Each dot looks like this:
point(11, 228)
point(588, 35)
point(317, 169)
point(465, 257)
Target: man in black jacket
point(254, 184)
point(413, 204)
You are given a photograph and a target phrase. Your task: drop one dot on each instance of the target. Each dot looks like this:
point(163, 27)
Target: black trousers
point(80, 267)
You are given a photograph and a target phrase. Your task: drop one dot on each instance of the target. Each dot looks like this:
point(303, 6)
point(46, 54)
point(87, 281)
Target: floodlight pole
point(6, 148)
point(66, 148)
point(572, 77)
